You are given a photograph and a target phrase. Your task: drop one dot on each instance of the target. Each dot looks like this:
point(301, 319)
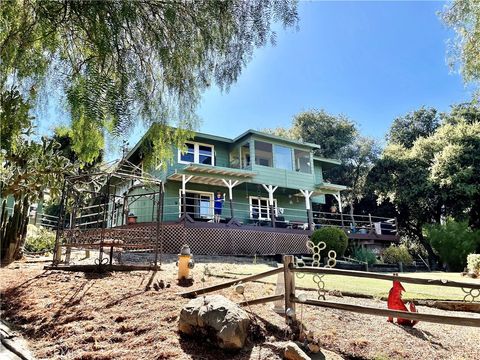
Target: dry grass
point(120, 316)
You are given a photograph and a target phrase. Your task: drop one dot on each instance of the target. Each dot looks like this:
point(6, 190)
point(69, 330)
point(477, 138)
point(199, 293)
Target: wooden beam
point(439, 319)
point(405, 279)
point(262, 300)
point(227, 284)
point(288, 261)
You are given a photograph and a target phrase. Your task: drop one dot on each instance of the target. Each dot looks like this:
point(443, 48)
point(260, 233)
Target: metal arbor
point(94, 214)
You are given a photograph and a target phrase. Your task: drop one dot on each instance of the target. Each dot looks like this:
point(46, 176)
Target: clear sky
point(371, 61)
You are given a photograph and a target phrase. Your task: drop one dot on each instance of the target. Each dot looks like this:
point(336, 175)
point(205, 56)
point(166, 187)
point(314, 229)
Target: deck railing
point(245, 214)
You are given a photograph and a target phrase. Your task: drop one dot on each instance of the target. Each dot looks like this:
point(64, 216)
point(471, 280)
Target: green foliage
point(405, 130)
point(454, 241)
point(365, 255)
point(120, 62)
point(463, 16)
point(395, 254)
point(334, 237)
point(332, 132)
point(39, 240)
point(473, 263)
point(15, 120)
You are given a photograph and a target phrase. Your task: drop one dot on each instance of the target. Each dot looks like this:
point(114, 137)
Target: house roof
point(275, 137)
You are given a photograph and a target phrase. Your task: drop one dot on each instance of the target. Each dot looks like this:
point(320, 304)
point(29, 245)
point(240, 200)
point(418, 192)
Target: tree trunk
point(433, 258)
point(474, 216)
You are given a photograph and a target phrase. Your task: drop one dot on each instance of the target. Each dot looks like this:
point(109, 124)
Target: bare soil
point(125, 315)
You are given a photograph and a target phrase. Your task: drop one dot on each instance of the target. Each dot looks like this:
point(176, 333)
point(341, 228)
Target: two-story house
point(269, 186)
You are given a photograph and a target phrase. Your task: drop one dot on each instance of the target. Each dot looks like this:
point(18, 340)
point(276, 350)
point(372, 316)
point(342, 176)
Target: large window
point(283, 157)
point(263, 153)
point(302, 161)
point(259, 208)
point(199, 205)
point(196, 153)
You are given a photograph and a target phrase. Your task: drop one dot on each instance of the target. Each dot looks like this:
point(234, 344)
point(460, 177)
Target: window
point(263, 153)
point(235, 158)
point(283, 157)
point(302, 161)
point(205, 155)
point(245, 155)
point(196, 153)
point(199, 205)
point(259, 208)
point(189, 155)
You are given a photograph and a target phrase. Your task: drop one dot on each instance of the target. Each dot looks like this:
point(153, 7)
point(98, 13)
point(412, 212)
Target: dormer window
point(196, 153)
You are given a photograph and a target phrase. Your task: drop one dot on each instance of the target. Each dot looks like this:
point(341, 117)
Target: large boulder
point(218, 317)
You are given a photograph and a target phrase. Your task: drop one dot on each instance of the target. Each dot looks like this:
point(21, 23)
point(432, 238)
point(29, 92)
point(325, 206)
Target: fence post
point(288, 261)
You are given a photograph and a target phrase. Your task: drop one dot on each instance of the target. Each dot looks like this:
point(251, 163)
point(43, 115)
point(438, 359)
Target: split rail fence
point(289, 270)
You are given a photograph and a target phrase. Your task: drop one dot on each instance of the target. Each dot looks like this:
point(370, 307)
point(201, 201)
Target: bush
point(365, 255)
point(473, 263)
point(396, 254)
point(453, 242)
point(334, 237)
point(39, 240)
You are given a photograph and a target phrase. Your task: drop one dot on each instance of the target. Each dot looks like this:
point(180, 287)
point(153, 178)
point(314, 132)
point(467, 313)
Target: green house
point(257, 174)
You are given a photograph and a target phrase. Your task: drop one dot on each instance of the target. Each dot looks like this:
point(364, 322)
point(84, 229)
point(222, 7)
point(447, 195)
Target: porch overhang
point(211, 175)
point(328, 188)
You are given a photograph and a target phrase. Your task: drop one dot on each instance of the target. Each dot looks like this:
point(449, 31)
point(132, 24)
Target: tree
point(332, 132)
point(454, 152)
point(437, 175)
point(408, 128)
point(402, 178)
point(119, 62)
point(464, 17)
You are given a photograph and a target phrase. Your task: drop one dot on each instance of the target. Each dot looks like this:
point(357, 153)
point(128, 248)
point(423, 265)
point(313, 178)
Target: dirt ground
point(65, 315)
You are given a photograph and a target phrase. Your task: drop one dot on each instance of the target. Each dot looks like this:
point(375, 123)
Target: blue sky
point(371, 61)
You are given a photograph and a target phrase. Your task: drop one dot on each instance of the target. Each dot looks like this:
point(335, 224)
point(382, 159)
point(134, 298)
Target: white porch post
point(339, 200)
point(307, 194)
point(230, 185)
point(185, 180)
point(271, 189)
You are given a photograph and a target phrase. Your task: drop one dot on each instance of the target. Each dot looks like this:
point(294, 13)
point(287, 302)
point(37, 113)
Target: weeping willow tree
point(120, 62)
point(463, 16)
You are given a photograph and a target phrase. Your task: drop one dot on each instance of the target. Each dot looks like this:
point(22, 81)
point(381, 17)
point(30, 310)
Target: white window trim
point(196, 153)
point(208, 193)
point(250, 198)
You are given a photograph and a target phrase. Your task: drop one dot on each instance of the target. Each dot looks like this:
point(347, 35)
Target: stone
point(293, 352)
point(218, 316)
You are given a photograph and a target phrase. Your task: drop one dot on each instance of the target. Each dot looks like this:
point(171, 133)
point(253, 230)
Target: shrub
point(334, 237)
point(473, 263)
point(395, 254)
point(365, 255)
point(39, 240)
point(453, 242)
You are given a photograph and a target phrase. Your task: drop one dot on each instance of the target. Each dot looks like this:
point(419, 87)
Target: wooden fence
point(289, 269)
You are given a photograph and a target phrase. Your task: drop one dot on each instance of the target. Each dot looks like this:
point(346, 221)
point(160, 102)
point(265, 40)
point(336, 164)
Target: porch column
point(230, 185)
point(307, 195)
point(271, 189)
point(339, 200)
point(185, 180)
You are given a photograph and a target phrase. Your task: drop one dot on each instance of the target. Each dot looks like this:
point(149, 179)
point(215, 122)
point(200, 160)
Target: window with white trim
point(196, 153)
point(259, 208)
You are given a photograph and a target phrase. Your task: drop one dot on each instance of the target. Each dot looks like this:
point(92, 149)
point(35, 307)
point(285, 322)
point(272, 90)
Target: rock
point(293, 352)
point(228, 322)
